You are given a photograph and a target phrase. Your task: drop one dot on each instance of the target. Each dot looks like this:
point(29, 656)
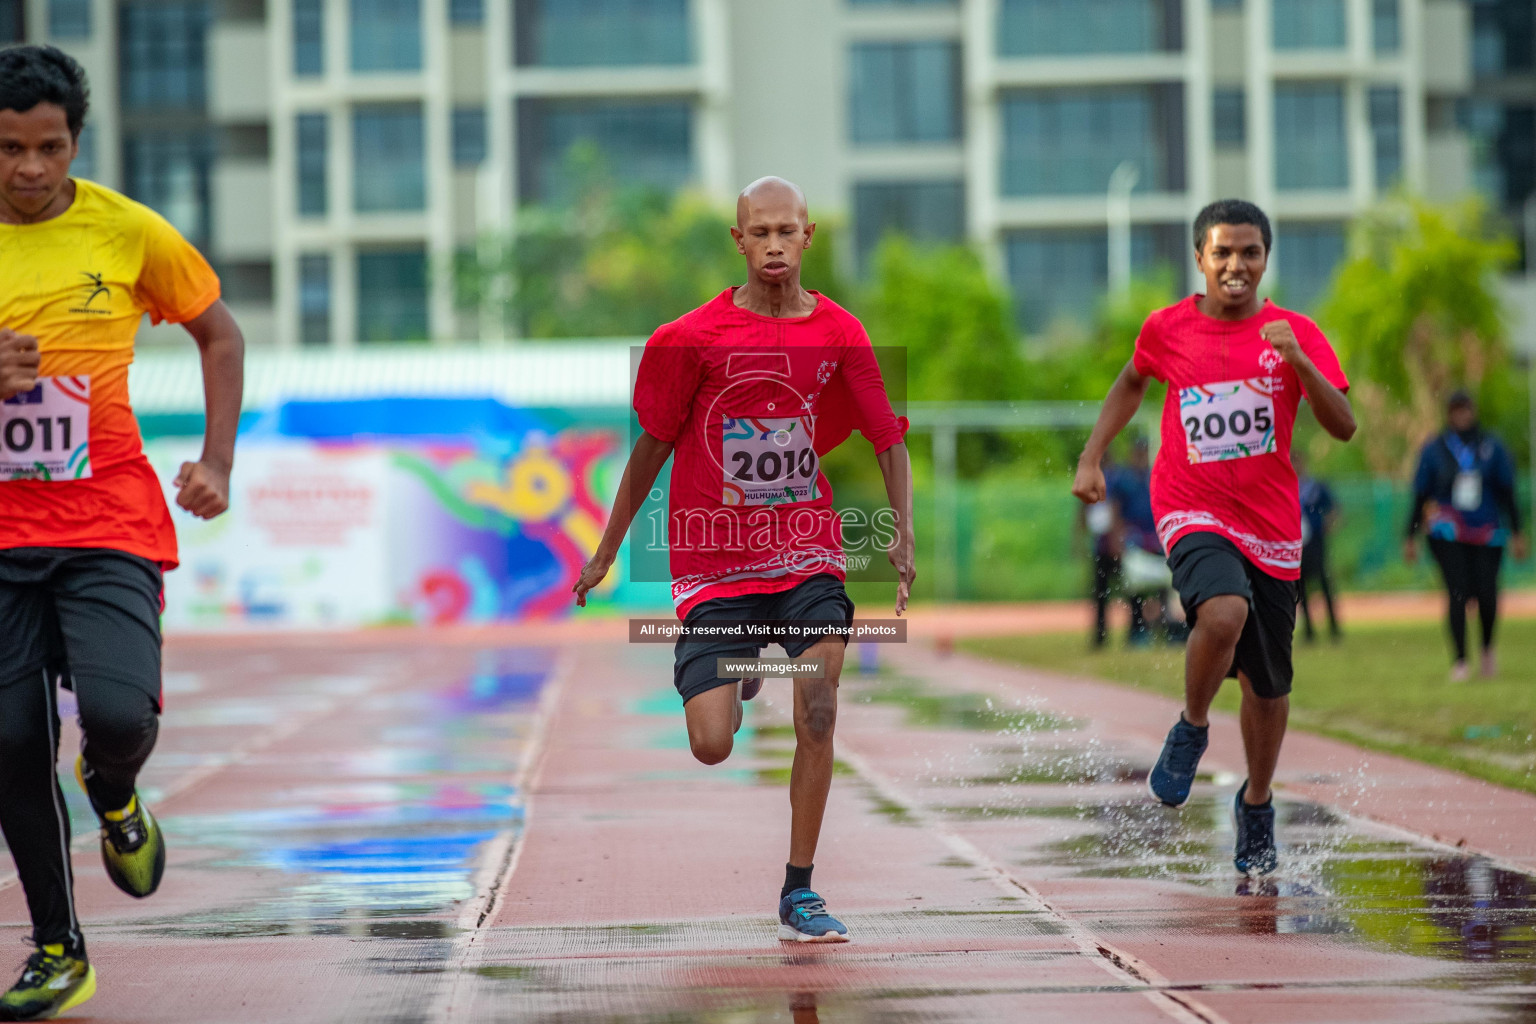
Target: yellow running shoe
point(132, 846)
point(51, 984)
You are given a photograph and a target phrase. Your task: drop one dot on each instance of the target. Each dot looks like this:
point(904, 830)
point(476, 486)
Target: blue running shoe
point(1174, 772)
point(1255, 828)
point(803, 917)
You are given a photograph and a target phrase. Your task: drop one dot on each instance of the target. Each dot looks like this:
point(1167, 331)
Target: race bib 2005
point(767, 461)
point(45, 432)
point(1231, 419)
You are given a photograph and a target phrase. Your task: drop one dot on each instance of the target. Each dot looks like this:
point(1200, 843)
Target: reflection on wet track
point(343, 823)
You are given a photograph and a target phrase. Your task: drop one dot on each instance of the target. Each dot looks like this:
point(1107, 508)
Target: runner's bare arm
point(203, 486)
point(19, 360)
point(1120, 405)
point(896, 467)
point(1329, 404)
point(645, 462)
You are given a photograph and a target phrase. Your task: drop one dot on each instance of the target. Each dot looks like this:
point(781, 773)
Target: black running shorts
point(1207, 565)
point(820, 600)
point(80, 611)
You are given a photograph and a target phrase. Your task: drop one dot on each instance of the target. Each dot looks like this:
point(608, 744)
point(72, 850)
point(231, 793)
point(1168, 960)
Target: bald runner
point(746, 394)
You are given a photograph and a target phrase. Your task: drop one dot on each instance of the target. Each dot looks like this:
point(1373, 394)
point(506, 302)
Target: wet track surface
point(420, 831)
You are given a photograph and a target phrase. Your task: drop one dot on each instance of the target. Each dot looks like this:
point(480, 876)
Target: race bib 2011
point(45, 432)
point(1230, 419)
point(767, 461)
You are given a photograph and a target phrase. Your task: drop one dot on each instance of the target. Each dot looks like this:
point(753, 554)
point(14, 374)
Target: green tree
point(940, 305)
point(612, 261)
point(1414, 312)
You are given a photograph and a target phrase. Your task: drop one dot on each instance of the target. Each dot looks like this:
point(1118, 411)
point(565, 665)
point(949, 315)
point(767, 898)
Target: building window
point(392, 295)
point(1069, 141)
point(645, 143)
point(1310, 148)
point(163, 53)
point(925, 210)
point(388, 158)
point(69, 19)
point(1229, 117)
point(582, 33)
point(1308, 24)
point(1387, 134)
point(1062, 273)
point(1309, 254)
point(84, 165)
point(1386, 26)
point(315, 299)
point(246, 282)
point(311, 132)
point(905, 92)
point(468, 136)
point(13, 25)
point(308, 37)
point(386, 35)
point(466, 12)
point(1031, 28)
point(169, 173)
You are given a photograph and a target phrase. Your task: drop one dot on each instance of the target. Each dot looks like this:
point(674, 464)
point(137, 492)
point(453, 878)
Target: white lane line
point(1125, 967)
point(500, 857)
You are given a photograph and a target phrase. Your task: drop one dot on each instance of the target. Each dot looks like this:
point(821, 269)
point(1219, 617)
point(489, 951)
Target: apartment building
point(331, 156)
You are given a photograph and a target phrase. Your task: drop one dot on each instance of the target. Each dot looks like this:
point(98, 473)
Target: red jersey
point(750, 404)
point(1225, 462)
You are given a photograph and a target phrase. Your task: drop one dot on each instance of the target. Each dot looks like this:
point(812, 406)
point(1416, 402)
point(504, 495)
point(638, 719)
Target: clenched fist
point(202, 489)
point(19, 360)
point(1283, 340)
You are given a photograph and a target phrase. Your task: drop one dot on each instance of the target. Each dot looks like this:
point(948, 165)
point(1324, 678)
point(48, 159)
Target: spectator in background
point(1098, 520)
point(1319, 514)
point(1143, 572)
point(1464, 498)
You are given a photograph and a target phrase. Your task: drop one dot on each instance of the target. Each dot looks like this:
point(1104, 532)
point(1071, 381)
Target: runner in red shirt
point(1224, 494)
point(746, 394)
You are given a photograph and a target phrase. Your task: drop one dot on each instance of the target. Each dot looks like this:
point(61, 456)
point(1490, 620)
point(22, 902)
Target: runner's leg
point(32, 812)
point(711, 719)
point(810, 776)
point(1455, 572)
point(109, 617)
point(1263, 722)
point(1103, 570)
point(1208, 655)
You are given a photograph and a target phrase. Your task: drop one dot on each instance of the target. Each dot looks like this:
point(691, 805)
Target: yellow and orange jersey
point(81, 283)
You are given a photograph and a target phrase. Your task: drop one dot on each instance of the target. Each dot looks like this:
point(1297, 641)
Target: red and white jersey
point(751, 403)
point(1225, 462)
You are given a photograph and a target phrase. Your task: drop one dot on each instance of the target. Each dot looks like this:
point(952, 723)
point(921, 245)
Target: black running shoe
point(1255, 828)
point(1174, 773)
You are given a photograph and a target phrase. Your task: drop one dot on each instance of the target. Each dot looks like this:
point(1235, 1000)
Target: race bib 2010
point(767, 461)
point(45, 432)
point(1230, 419)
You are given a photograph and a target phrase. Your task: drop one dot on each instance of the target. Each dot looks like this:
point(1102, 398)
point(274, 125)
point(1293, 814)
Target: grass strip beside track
point(1385, 687)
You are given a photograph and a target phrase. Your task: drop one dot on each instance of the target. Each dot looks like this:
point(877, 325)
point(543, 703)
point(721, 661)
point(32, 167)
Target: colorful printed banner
point(488, 520)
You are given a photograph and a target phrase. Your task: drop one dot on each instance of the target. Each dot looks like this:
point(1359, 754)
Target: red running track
point(405, 829)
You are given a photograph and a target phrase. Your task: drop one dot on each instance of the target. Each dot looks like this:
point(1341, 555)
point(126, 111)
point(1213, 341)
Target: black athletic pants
point(89, 618)
point(1314, 570)
point(1470, 571)
point(1106, 573)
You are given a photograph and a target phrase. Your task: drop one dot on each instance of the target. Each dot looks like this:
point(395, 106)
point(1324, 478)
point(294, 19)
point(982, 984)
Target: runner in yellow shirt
point(86, 533)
